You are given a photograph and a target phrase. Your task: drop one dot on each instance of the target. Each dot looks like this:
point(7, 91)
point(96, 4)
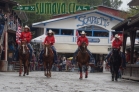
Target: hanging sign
point(52, 8)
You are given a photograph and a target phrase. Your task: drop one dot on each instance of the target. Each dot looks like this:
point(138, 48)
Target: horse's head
point(83, 47)
point(115, 53)
point(23, 47)
point(46, 48)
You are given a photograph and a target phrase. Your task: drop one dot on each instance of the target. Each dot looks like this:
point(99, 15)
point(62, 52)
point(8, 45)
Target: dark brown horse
point(48, 57)
point(115, 63)
point(83, 59)
point(24, 58)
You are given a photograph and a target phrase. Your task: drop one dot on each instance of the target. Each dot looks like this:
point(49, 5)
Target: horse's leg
point(20, 70)
point(80, 68)
point(28, 67)
point(47, 66)
point(44, 63)
point(50, 66)
point(86, 71)
point(112, 71)
point(116, 73)
point(25, 67)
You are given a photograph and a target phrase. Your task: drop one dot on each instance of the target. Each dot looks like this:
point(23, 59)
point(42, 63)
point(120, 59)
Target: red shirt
point(116, 44)
point(49, 40)
point(26, 36)
point(82, 39)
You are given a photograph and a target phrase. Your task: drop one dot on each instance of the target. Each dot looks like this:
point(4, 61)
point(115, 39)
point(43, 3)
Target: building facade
point(95, 23)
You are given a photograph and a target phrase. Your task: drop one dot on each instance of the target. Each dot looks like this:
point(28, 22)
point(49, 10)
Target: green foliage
point(133, 12)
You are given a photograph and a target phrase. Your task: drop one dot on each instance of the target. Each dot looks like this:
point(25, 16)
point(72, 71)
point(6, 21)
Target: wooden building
point(130, 27)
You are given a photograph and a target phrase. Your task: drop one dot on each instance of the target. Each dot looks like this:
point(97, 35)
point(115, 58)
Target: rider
point(26, 36)
point(81, 39)
point(50, 39)
point(117, 43)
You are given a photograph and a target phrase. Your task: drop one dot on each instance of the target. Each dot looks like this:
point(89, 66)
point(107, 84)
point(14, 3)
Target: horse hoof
point(24, 75)
point(86, 76)
point(20, 75)
point(80, 78)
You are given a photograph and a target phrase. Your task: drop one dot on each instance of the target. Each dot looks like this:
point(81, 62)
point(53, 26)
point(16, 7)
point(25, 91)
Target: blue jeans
point(54, 51)
point(122, 55)
point(30, 50)
point(1, 29)
point(92, 60)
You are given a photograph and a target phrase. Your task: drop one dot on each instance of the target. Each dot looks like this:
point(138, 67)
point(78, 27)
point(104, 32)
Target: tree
point(116, 3)
point(133, 11)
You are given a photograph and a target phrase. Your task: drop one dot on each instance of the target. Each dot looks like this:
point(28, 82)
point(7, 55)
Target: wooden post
point(124, 41)
point(132, 39)
point(6, 45)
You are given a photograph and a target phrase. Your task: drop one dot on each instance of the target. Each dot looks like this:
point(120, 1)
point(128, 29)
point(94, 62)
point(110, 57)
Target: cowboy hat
point(117, 36)
point(26, 27)
point(50, 31)
point(83, 32)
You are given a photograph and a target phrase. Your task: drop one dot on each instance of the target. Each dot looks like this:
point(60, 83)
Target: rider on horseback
point(81, 39)
point(50, 39)
point(26, 36)
point(117, 43)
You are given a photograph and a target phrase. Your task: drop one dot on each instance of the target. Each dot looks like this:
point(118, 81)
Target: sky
point(124, 6)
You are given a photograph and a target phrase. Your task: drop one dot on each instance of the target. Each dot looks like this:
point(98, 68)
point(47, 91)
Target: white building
point(95, 23)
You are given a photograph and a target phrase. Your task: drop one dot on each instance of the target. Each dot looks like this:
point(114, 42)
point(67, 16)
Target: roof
point(76, 15)
point(112, 8)
point(120, 26)
point(126, 23)
point(13, 2)
point(133, 3)
point(134, 20)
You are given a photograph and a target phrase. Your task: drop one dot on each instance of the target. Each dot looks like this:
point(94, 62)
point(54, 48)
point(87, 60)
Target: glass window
point(66, 32)
point(88, 33)
point(101, 34)
point(56, 31)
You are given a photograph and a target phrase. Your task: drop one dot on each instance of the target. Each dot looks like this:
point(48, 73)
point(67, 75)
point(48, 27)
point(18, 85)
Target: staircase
point(16, 66)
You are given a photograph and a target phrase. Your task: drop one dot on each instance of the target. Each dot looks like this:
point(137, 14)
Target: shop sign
point(92, 20)
point(94, 40)
point(52, 8)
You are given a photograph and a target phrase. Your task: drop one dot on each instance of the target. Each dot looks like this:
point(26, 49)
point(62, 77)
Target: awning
point(39, 39)
point(71, 48)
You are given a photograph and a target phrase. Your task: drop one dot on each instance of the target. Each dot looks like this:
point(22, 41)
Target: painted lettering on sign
point(92, 20)
point(95, 40)
point(52, 8)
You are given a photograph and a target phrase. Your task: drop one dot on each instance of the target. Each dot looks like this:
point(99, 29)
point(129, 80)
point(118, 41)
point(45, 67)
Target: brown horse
point(83, 59)
point(48, 57)
point(24, 58)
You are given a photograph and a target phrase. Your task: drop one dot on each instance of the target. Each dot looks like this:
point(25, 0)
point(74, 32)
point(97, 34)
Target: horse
point(48, 58)
point(82, 59)
point(24, 58)
point(115, 63)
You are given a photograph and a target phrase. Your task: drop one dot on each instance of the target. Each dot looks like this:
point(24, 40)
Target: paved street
point(64, 82)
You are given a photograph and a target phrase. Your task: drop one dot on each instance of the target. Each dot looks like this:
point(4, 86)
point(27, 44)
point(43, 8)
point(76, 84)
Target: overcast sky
point(124, 6)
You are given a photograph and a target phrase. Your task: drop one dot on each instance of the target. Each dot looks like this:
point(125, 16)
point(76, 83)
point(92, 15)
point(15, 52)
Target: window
point(88, 33)
point(100, 34)
point(66, 32)
point(56, 31)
